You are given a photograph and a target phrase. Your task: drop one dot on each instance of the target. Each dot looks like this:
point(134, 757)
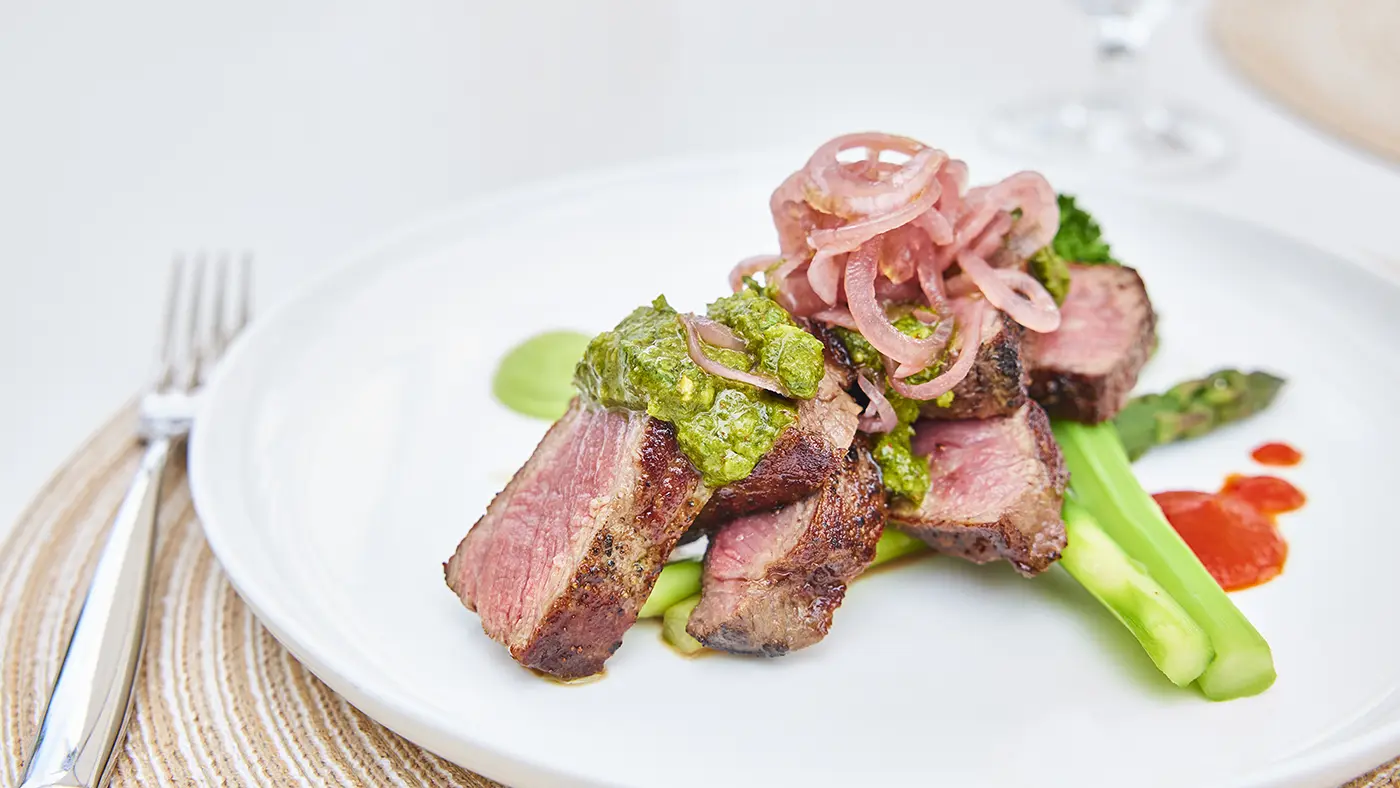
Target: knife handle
point(91, 697)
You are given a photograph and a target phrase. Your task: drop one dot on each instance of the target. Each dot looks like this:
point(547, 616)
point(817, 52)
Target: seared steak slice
point(565, 556)
point(774, 579)
point(803, 457)
point(996, 491)
point(1086, 370)
point(996, 386)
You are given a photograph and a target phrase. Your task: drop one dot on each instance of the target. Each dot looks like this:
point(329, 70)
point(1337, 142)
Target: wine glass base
point(1156, 141)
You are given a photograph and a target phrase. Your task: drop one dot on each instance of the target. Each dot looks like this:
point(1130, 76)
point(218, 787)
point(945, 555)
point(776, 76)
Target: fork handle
point(91, 698)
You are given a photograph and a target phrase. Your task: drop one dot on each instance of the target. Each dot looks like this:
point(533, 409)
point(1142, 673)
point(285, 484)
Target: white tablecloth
point(302, 130)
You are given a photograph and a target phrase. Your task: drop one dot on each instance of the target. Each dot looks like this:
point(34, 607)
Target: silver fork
point(91, 698)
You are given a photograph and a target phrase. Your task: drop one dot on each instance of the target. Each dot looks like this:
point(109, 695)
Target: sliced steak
point(774, 579)
point(997, 384)
point(1086, 370)
point(565, 556)
point(803, 457)
point(996, 491)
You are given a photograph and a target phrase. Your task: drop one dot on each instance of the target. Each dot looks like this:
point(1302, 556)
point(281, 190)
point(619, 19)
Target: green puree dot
point(536, 377)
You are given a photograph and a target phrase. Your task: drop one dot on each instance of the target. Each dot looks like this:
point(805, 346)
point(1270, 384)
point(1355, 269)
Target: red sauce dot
point(1268, 494)
point(1238, 544)
point(1277, 454)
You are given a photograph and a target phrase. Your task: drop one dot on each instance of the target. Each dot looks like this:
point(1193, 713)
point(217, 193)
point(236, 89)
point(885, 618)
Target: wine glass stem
point(1118, 63)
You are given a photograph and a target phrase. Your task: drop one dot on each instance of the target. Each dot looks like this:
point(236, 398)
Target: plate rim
point(406, 718)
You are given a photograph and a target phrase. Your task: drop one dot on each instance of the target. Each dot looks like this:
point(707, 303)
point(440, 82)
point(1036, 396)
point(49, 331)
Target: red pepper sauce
point(1277, 454)
point(1268, 494)
point(1233, 531)
point(1239, 545)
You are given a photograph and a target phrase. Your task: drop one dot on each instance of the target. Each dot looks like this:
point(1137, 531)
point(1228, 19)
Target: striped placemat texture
point(218, 701)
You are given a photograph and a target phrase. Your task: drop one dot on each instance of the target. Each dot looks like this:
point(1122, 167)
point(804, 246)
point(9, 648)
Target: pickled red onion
point(1035, 311)
point(824, 275)
point(993, 236)
point(704, 362)
point(879, 415)
point(939, 229)
point(970, 341)
point(941, 333)
point(718, 334)
point(1040, 211)
point(748, 267)
point(870, 316)
point(888, 231)
point(851, 236)
point(837, 317)
point(794, 292)
point(835, 189)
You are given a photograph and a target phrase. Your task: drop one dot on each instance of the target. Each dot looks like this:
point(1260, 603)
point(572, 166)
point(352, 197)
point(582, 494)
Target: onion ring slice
point(704, 362)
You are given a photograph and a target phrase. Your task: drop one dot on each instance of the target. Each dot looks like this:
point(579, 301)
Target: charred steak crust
point(1029, 532)
point(997, 383)
point(586, 623)
point(837, 357)
point(804, 456)
point(795, 466)
point(561, 603)
point(1093, 395)
point(818, 545)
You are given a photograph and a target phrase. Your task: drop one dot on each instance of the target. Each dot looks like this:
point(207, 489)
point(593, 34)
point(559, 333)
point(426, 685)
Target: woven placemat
point(1335, 63)
point(218, 701)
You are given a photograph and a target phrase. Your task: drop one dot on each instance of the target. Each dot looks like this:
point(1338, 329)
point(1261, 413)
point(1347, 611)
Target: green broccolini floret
point(1079, 239)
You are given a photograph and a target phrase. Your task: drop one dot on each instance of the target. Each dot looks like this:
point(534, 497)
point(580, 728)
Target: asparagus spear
point(1193, 408)
point(895, 544)
point(677, 581)
point(1174, 641)
point(1101, 479)
point(673, 626)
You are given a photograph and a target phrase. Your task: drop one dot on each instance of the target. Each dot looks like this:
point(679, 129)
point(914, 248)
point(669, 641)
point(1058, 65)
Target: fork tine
point(218, 329)
point(245, 299)
point(166, 374)
point(194, 347)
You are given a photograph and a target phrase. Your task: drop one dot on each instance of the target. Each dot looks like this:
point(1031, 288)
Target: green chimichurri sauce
point(534, 377)
point(724, 427)
point(904, 472)
point(863, 354)
point(784, 351)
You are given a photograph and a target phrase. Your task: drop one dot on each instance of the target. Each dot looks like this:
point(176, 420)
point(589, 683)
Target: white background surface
point(302, 130)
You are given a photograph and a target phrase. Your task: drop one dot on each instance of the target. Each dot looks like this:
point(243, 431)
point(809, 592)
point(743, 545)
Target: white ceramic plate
point(351, 440)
